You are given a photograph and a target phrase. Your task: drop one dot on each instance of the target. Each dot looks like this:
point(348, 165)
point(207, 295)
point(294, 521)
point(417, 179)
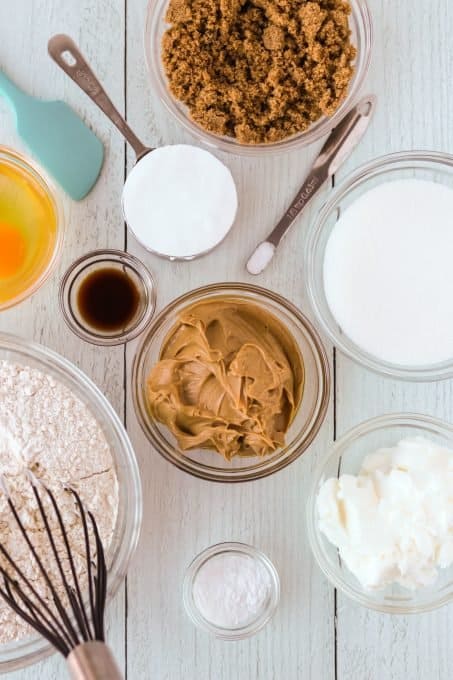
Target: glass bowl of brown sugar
point(248, 100)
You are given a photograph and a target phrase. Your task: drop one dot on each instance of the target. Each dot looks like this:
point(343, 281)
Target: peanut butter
point(230, 378)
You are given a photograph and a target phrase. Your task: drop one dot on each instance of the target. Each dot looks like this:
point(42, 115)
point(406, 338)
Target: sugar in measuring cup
point(179, 201)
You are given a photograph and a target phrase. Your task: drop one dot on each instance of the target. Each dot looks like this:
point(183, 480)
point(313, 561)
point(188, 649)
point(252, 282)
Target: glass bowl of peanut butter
point(231, 383)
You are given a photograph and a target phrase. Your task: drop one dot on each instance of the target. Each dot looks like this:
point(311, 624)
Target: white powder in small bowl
point(179, 201)
point(231, 590)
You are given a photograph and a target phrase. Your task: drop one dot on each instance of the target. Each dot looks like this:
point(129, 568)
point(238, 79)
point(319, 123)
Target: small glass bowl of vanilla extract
point(107, 297)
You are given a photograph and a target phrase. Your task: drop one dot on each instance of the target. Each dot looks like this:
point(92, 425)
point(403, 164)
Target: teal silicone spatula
point(58, 138)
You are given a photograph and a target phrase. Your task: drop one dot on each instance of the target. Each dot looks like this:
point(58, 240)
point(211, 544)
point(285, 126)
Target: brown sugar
point(258, 70)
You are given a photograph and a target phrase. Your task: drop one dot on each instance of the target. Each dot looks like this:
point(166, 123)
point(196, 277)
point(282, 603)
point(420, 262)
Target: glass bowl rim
point(40, 176)
point(27, 651)
point(232, 288)
point(401, 419)
point(78, 267)
point(405, 160)
point(240, 632)
point(361, 12)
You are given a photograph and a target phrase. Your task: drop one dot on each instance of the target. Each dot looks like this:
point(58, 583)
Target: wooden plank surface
point(25, 27)
point(183, 515)
point(411, 73)
point(313, 635)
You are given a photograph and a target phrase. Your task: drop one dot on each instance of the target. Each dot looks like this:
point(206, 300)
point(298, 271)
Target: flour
point(231, 590)
point(46, 429)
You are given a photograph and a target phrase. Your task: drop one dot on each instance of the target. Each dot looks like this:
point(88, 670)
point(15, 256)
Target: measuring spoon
point(339, 145)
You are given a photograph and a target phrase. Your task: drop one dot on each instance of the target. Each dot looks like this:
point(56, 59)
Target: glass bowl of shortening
point(379, 514)
point(378, 265)
point(256, 80)
point(58, 424)
point(231, 383)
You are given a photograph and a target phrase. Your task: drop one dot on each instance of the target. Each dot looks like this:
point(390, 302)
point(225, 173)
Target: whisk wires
point(79, 619)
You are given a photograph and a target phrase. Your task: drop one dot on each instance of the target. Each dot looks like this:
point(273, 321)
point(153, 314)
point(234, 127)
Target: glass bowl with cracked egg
point(346, 457)
point(32, 227)
point(361, 37)
point(28, 650)
point(207, 463)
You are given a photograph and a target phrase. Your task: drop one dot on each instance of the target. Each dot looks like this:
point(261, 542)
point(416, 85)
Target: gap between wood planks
point(125, 382)
point(125, 345)
point(335, 594)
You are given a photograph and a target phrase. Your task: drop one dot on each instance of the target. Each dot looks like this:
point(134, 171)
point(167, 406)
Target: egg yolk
point(12, 250)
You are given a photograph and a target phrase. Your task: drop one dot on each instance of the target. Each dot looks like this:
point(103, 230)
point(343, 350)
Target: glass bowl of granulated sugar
point(378, 266)
point(58, 424)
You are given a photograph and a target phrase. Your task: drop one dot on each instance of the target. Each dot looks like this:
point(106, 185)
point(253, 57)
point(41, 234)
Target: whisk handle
point(93, 661)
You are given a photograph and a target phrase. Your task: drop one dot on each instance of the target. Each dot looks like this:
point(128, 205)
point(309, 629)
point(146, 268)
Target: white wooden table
point(316, 633)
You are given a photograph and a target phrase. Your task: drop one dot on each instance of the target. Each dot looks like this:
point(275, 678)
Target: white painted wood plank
point(184, 515)
point(411, 74)
point(96, 222)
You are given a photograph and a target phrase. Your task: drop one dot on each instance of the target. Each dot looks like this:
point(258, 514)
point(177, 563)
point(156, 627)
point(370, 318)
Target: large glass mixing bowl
point(28, 650)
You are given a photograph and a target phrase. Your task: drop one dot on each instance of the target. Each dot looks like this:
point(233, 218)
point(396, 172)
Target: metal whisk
point(74, 622)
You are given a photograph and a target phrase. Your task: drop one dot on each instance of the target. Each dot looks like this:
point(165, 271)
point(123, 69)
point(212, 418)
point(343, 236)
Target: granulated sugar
point(46, 429)
point(180, 201)
point(388, 272)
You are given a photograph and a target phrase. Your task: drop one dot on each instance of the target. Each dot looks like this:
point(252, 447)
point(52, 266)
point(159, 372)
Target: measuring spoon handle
point(67, 55)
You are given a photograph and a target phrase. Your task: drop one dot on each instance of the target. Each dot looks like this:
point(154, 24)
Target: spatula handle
point(67, 55)
point(10, 91)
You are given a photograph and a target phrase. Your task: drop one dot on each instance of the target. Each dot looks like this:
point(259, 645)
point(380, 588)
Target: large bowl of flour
point(56, 423)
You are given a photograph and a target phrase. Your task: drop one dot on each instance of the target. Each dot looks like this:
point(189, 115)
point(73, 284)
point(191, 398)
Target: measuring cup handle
point(67, 55)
